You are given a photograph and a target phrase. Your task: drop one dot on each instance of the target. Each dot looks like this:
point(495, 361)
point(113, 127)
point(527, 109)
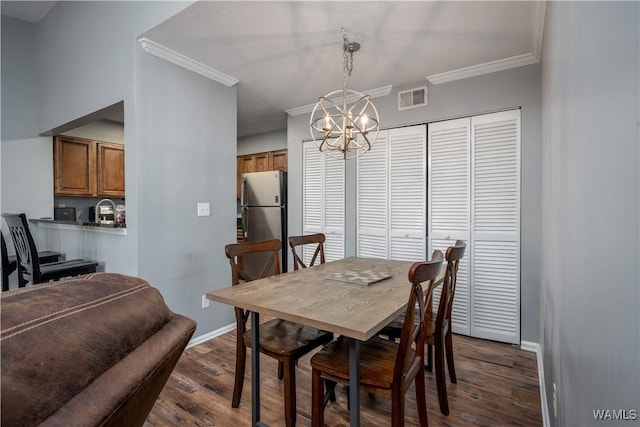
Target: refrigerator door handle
point(242, 185)
point(245, 222)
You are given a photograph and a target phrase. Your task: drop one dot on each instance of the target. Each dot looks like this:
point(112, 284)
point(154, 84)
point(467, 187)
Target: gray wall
point(507, 89)
point(268, 141)
point(590, 205)
point(188, 156)
point(26, 172)
point(101, 130)
point(86, 55)
point(87, 58)
point(19, 99)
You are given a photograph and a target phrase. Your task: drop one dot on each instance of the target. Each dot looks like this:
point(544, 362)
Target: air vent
point(412, 98)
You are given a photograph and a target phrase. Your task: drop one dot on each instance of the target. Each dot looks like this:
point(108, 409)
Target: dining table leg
point(255, 370)
point(354, 382)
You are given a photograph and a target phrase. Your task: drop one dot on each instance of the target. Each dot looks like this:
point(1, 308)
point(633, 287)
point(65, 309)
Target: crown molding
point(183, 61)
point(373, 93)
point(539, 9)
point(533, 57)
point(486, 68)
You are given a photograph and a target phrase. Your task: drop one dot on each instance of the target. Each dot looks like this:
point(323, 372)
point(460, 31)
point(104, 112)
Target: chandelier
point(344, 123)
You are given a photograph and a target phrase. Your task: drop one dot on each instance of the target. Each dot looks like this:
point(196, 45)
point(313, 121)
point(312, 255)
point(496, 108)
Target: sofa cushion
point(86, 349)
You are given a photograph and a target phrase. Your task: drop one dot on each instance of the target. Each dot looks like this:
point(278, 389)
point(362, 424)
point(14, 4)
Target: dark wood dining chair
point(30, 270)
point(283, 340)
point(439, 335)
point(387, 367)
point(309, 239)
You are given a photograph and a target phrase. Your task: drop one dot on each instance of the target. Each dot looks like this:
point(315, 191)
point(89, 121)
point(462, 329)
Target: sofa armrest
point(93, 350)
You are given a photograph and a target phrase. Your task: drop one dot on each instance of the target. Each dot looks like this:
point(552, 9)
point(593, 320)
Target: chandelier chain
point(347, 59)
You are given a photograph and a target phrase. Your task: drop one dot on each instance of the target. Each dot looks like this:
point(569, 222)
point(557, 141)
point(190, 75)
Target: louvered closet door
point(372, 200)
point(323, 200)
point(449, 204)
point(495, 222)
point(407, 193)
point(391, 196)
point(333, 207)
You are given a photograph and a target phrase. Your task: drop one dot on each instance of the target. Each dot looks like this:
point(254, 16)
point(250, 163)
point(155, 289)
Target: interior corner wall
point(519, 87)
point(186, 154)
point(591, 211)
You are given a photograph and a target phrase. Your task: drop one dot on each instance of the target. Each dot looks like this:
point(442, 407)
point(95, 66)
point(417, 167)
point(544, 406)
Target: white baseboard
point(211, 335)
point(535, 347)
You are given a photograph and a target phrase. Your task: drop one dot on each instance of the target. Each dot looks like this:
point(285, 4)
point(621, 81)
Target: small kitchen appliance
point(64, 214)
point(105, 212)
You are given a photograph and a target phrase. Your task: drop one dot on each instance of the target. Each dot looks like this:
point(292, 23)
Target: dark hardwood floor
point(497, 386)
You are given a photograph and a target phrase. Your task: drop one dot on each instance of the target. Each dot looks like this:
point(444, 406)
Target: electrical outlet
point(205, 302)
point(555, 401)
point(203, 209)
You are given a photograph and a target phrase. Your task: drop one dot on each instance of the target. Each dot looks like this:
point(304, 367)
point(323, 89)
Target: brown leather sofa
point(95, 350)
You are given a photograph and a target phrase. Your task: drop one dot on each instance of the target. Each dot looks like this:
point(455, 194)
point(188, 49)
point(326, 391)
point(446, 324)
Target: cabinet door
point(261, 162)
point(110, 170)
point(278, 160)
point(245, 164)
point(74, 162)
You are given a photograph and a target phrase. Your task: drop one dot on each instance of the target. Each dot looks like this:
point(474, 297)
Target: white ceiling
point(287, 53)
point(30, 11)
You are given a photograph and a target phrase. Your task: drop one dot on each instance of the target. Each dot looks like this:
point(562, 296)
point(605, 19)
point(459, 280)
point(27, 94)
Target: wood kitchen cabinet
point(260, 162)
point(278, 160)
point(110, 170)
point(87, 168)
point(74, 165)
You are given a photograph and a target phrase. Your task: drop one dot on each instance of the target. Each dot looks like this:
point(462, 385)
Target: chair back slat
point(317, 239)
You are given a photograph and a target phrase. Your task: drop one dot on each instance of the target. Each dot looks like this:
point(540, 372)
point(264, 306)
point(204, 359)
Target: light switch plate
point(205, 302)
point(203, 209)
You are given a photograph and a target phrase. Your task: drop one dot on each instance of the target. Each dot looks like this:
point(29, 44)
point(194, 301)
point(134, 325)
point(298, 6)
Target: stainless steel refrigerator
point(264, 214)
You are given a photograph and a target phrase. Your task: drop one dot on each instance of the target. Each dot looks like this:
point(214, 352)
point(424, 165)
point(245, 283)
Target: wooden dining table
point(353, 297)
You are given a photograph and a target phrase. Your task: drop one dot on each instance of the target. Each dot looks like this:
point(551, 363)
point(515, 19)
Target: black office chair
point(30, 270)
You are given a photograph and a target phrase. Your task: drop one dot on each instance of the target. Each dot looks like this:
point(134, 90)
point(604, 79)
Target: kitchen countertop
point(70, 225)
